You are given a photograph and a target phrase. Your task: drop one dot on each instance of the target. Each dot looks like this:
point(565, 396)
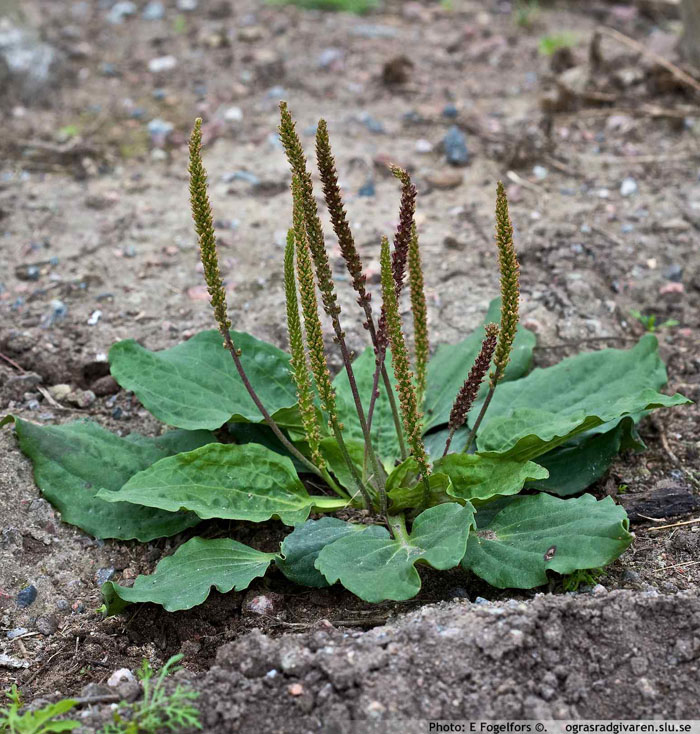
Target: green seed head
point(410, 415)
point(204, 225)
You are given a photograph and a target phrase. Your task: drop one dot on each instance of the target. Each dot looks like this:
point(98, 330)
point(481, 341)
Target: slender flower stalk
point(402, 370)
point(420, 314)
point(348, 249)
point(324, 276)
point(467, 394)
point(314, 335)
point(510, 300)
point(402, 240)
point(204, 226)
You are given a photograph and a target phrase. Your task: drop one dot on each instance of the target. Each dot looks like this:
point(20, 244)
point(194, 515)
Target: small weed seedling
point(549, 45)
point(649, 322)
point(42, 721)
point(464, 459)
point(155, 712)
point(158, 710)
point(525, 12)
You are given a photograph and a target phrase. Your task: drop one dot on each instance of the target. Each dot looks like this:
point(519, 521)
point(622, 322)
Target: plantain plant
point(466, 459)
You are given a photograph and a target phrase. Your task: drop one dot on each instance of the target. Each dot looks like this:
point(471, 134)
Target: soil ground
point(600, 152)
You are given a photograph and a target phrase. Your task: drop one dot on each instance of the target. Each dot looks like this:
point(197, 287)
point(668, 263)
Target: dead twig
point(12, 363)
point(675, 524)
point(678, 73)
point(676, 565)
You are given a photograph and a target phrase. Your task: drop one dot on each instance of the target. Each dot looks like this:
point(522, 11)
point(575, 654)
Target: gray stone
point(30, 69)
point(455, 144)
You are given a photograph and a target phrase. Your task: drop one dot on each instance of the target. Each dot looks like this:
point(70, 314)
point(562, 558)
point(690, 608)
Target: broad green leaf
point(534, 534)
point(411, 497)
point(261, 433)
point(336, 463)
point(74, 461)
point(374, 566)
point(406, 491)
point(480, 477)
point(301, 547)
point(195, 384)
point(450, 366)
point(577, 464)
point(227, 481)
point(550, 406)
point(183, 580)
point(384, 437)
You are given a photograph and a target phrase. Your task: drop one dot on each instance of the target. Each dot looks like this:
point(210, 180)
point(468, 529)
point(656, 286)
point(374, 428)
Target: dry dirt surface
point(599, 147)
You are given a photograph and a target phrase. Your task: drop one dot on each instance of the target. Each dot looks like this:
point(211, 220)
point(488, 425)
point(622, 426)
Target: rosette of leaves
point(467, 458)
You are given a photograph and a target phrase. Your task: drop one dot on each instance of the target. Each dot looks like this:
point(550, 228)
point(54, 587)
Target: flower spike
point(510, 284)
point(299, 364)
point(510, 301)
point(204, 226)
point(309, 306)
point(467, 394)
point(402, 370)
point(334, 202)
point(420, 314)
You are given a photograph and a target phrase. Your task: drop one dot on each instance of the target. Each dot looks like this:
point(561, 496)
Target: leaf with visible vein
point(227, 481)
point(550, 406)
point(301, 547)
point(183, 580)
point(530, 535)
point(376, 567)
point(195, 384)
point(74, 461)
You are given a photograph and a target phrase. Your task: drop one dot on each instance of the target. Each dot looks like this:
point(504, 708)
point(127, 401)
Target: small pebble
point(455, 144)
point(540, 172)
point(262, 604)
point(160, 131)
point(26, 597)
point(367, 189)
point(450, 111)
point(154, 10)
point(121, 10)
point(47, 625)
point(123, 675)
point(372, 124)
point(94, 318)
point(81, 398)
point(103, 575)
point(599, 589)
point(16, 632)
point(295, 689)
point(233, 114)
point(445, 179)
point(161, 64)
point(674, 273)
point(106, 385)
point(628, 187)
point(424, 146)
point(329, 57)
